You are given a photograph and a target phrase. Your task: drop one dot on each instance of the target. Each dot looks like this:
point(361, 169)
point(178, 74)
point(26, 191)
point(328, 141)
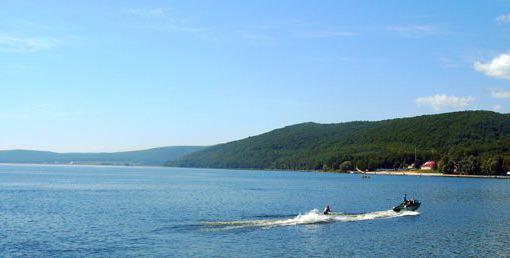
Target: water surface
point(143, 211)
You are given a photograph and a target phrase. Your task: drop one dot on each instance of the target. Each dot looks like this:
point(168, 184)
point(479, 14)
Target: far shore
point(76, 165)
point(426, 173)
point(381, 172)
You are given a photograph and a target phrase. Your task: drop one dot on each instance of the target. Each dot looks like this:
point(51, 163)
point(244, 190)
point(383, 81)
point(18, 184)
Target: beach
point(426, 173)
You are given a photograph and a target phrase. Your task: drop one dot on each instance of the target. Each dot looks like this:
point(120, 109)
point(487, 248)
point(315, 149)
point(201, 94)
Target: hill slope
point(155, 156)
point(380, 144)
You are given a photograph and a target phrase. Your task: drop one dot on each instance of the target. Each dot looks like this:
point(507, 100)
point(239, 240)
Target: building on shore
point(429, 165)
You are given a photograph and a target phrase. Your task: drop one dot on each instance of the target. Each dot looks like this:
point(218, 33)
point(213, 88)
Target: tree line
point(468, 142)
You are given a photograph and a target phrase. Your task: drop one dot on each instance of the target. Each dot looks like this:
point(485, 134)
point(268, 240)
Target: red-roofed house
point(429, 165)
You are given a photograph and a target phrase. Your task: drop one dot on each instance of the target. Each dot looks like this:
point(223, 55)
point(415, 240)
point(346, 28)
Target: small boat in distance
point(407, 205)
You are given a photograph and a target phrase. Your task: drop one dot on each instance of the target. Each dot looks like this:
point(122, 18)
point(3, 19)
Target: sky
point(125, 75)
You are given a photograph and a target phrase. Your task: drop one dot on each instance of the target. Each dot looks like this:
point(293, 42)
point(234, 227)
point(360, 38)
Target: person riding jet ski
point(407, 205)
point(327, 210)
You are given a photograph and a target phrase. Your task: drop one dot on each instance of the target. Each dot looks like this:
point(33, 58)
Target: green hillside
point(155, 156)
point(451, 137)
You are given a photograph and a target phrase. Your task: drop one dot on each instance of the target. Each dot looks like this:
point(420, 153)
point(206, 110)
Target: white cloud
point(26, 44)
point(500, 94)
point(499, 67)
point(497, 108)
point(415, 30)
point(505, 18)
point(440, 101)
point(147, 13)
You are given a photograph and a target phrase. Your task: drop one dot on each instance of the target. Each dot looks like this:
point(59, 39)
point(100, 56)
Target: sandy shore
point(424, 173)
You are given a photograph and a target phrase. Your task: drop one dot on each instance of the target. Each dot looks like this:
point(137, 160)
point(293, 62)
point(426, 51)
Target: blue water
point(138, 211)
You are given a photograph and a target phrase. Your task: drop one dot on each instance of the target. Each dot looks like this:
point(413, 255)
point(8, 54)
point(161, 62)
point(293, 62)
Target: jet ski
point(333, 213)
point(407, 205)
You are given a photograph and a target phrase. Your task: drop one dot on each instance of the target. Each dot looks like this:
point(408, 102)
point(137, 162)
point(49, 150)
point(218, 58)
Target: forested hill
point(382, 144)
point(155, 156)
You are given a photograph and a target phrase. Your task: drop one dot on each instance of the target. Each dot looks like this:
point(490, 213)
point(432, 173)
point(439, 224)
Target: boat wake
point(312, 217)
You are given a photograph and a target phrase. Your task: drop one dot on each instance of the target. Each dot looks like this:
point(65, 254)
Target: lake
point(146, 211)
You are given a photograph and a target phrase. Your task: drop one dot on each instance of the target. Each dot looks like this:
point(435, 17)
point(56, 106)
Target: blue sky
point(123, 75)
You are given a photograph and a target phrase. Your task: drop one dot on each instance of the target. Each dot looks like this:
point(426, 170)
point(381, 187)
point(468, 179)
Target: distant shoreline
point(420, 173)
point(383, 172)
point(77, 165)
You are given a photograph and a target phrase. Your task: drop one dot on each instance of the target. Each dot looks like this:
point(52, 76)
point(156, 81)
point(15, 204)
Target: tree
point(335, 165)
point(492, 166)
point(362, 164)
point(447, 165)
point(470, 165)
point(346, 166)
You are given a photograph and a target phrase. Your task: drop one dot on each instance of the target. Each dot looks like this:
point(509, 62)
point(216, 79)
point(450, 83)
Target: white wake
point(312, 217)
